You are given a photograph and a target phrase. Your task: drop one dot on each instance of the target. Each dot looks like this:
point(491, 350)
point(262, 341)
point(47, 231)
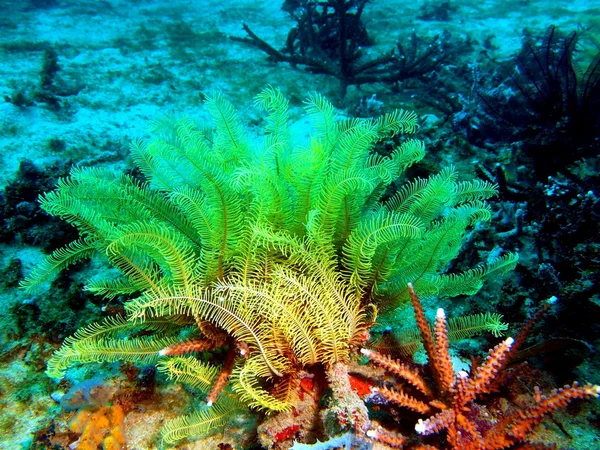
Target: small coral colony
point(255, 269)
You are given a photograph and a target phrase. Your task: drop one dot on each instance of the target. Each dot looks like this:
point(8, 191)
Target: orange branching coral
point(223, 376)
point(443, 362)
point(516, 427)
point(103, 427)
point(387, 437)
point(450, 401)
point(402, 370)
point(191, 346)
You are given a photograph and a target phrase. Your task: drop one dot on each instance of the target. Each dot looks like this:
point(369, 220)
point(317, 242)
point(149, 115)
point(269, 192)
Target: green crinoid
point(284, 248)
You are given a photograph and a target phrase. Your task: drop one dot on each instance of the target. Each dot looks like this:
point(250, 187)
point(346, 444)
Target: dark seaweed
point(329, 37)
point(550, 105)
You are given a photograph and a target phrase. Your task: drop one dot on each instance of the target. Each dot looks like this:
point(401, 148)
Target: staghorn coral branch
point(441, 359)
point(395, 440)
point(190, 346)
point(465, 437)
point(435, 423)
point(516, 426)
point(423, 326)
point(421, 320)
point(529, 418)
point(224, 375)
point(453, 394)
point(484, 378)
point(402, 399)
point(461, 390)
point(402, 370)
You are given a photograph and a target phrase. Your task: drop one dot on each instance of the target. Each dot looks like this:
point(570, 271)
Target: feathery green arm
point(382, 228)
point(159, 243)
point(277, 137)
point(99, 342)
point(189, 370)
point(60, 259)
point(322, 115)
point(202, 422)
point(396, 122)
point(246, 383)
point(230, 138)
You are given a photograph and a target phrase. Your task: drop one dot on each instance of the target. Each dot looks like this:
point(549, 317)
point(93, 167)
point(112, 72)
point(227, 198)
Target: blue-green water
point(506, 92)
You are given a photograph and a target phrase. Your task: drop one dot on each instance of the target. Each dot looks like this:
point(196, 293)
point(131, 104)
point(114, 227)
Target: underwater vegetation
point(278, 254)
point(51, 90)
point(538, 115)
point(550, 102)
point(330, 38)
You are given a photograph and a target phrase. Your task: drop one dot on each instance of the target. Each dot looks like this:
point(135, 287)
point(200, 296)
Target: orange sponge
point(102, 427)
point(110, 443)
point(79, 421)
point(116, 416)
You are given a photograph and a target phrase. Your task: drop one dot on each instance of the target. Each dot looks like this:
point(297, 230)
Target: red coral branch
point(191, 346)
point(397, 368)
point(402, 399)
point(485, 375)
point(517, 426)
point(453, 395)
point(441, 357)
point(223, 376)
point(387, 437)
